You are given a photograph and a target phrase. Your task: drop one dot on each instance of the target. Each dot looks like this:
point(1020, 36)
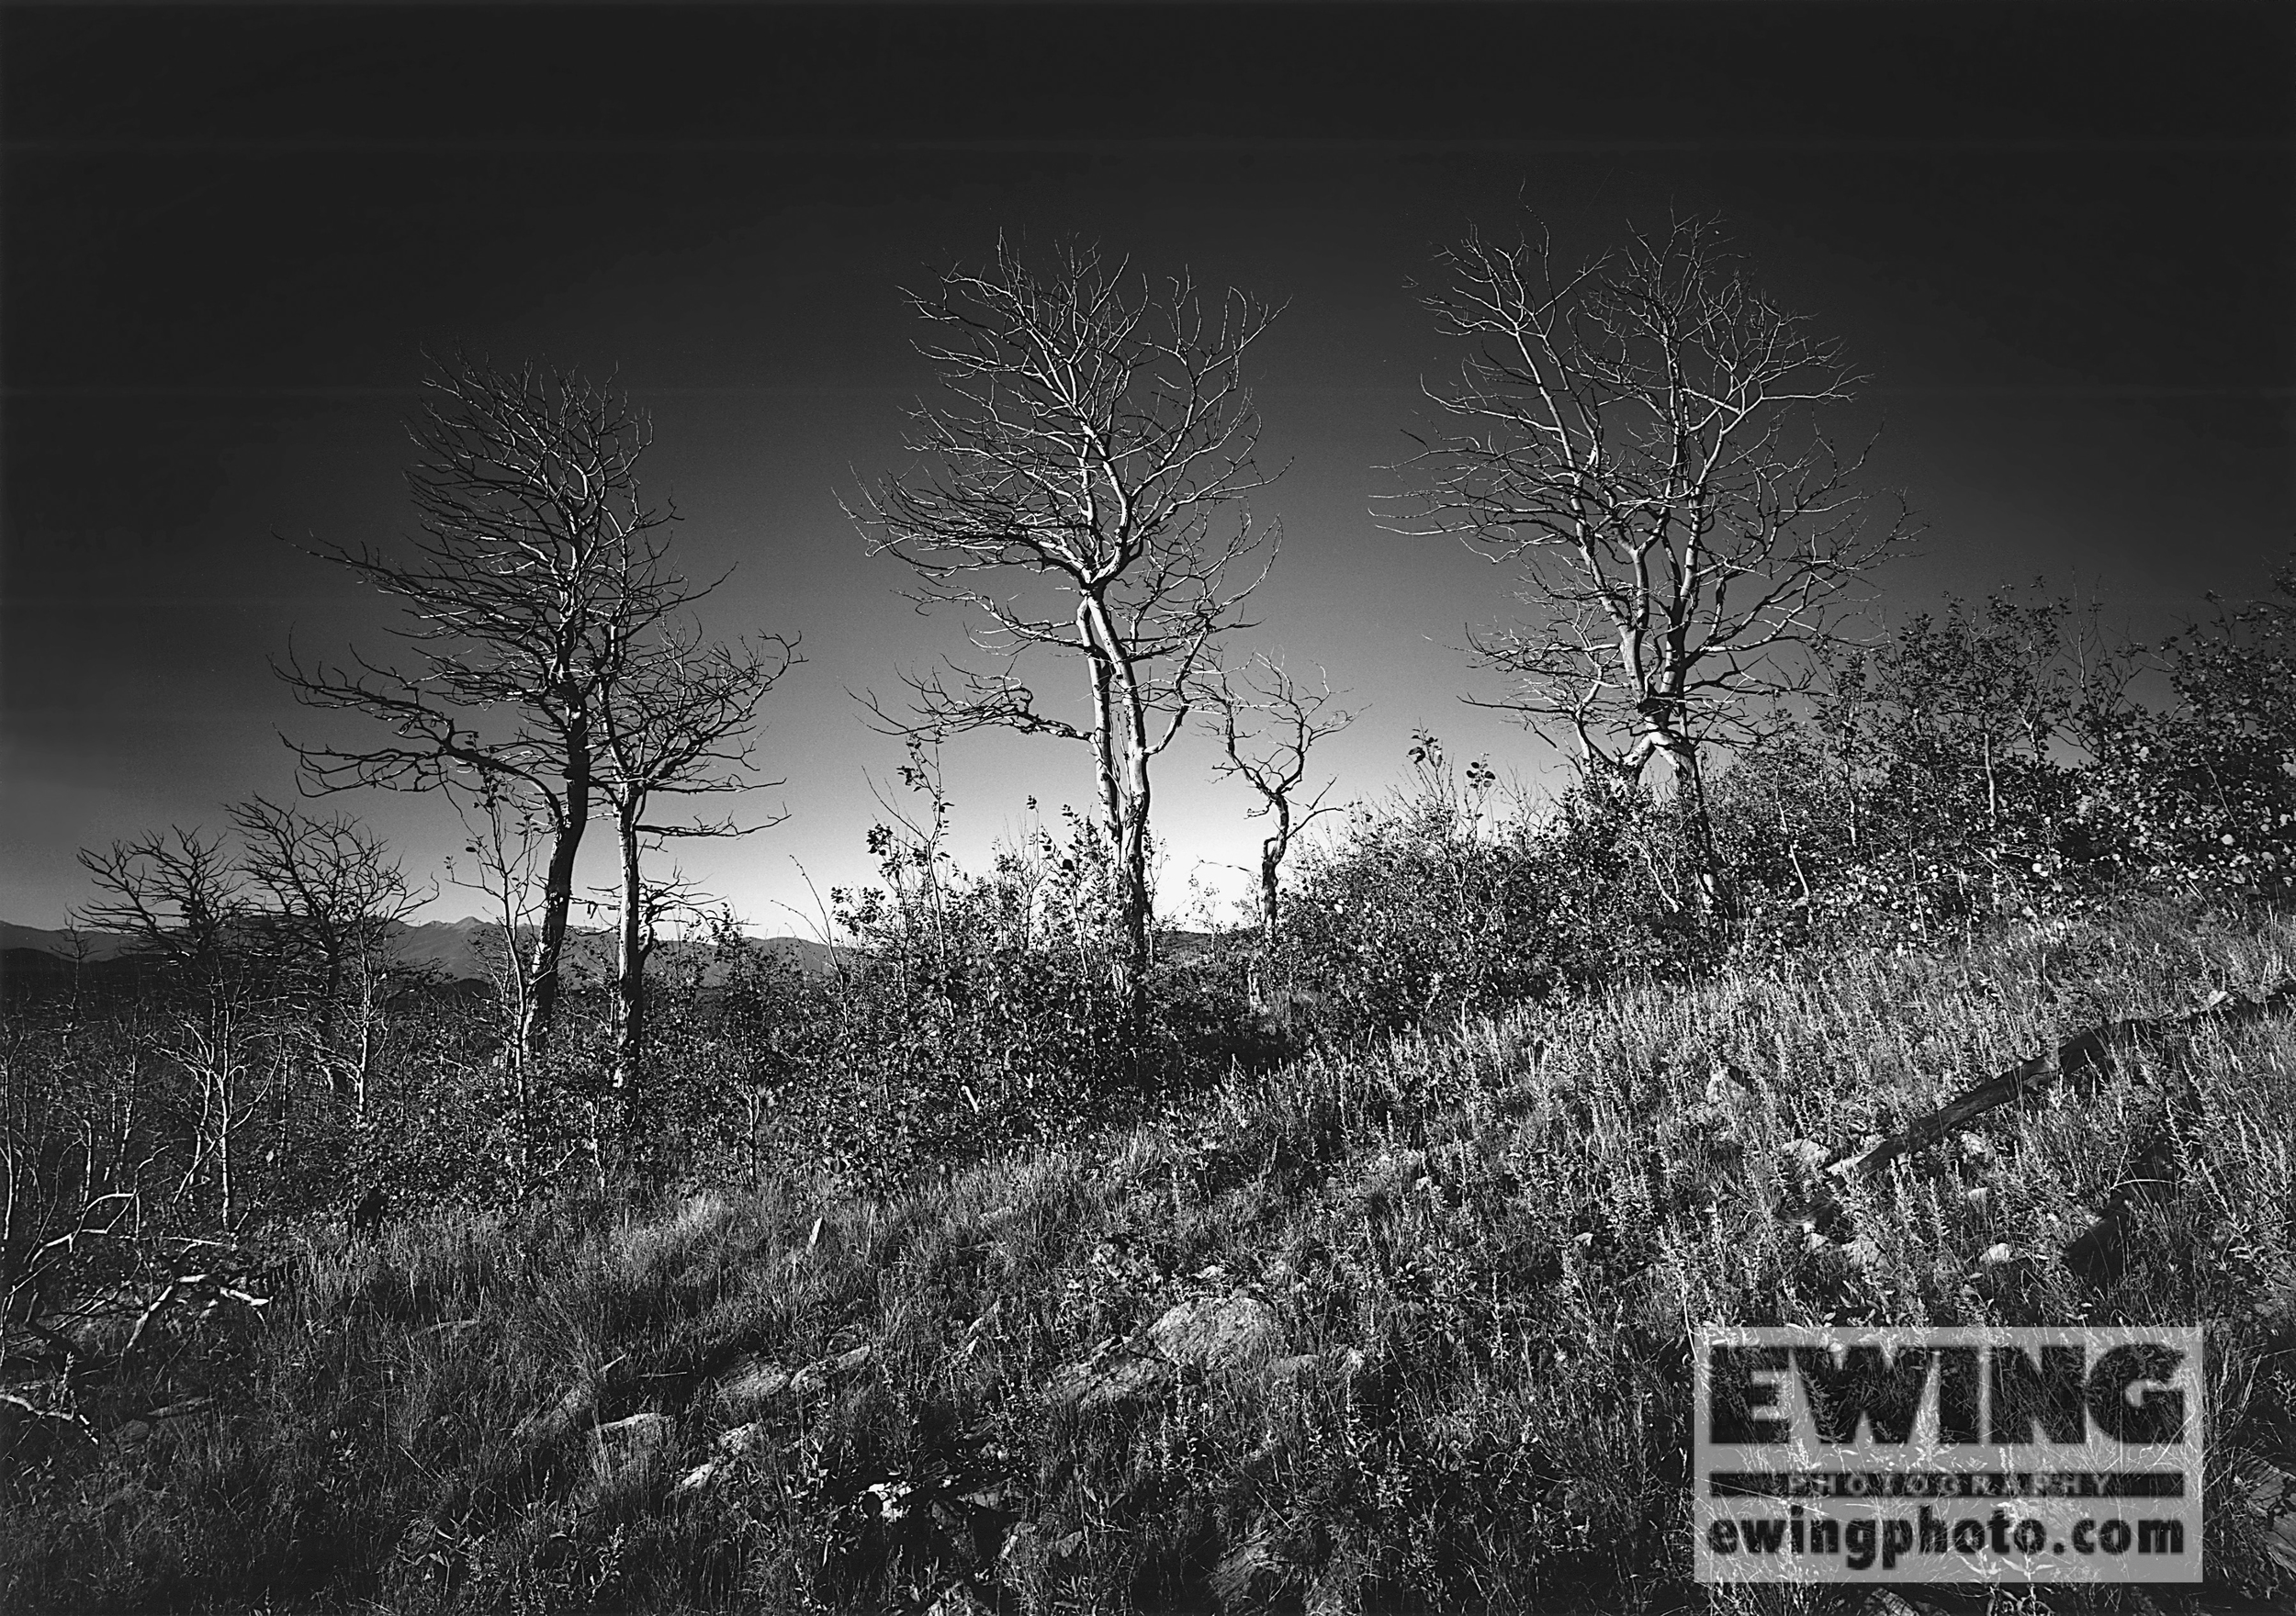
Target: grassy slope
point(1514, 1226)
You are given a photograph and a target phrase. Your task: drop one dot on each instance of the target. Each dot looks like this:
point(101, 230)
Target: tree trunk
point(1711, 895)
point(558, 898)
point(338, 1076)
point(1134, 893)
point(629, 1039)
point(1271, 855)
point(1120, 757)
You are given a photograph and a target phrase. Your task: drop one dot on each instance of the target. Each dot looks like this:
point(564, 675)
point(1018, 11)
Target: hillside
point(454, 949)
point(1399, 1328)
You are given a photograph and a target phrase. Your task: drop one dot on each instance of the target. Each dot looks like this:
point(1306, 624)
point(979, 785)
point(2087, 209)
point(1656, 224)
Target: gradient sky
point(2062, 239)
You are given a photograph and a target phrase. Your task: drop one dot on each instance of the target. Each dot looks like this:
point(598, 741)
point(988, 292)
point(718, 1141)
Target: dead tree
point(174, 893)
point(335, 891)
point(1267, 723)
point(538, 566)
point(1639, 439)
point(1081, 495)
point(674, 724)
point(506, 838)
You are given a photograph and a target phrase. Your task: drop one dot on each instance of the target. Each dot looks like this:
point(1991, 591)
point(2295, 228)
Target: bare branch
point(1081, 491)
point(1638, 440)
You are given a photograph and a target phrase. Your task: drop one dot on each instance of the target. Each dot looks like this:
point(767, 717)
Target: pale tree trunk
point(629, 1039)
point(1120, 761)
point(1134, 860)
point(1120, 739)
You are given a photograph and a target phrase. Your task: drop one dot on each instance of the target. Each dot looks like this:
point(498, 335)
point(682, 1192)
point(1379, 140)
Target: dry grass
point(1494, 1242)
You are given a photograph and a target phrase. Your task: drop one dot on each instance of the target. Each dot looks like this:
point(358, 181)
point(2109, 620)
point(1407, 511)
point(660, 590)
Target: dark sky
point(2062, 239)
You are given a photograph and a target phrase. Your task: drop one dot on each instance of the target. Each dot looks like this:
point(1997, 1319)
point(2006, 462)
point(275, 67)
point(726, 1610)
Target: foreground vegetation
point(1482, 1250)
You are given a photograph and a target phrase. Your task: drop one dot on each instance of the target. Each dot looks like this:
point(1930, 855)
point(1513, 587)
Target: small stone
point(1996, 1255)
point(1807, 1155)
point(1103, 1385)
point(754, 1383)
point(623, 1445)
point(1217, 1333)
point(1002, 1498)
point(822, 1370)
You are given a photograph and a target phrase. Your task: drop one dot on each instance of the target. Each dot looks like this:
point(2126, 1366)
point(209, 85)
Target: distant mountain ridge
point(456, 950)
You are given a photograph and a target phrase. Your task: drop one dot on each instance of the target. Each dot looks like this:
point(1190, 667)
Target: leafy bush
point(968, 1014)
point(1445, 903)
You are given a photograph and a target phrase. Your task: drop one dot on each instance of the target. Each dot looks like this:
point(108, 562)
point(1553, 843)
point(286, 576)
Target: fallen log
point(2088, 1054)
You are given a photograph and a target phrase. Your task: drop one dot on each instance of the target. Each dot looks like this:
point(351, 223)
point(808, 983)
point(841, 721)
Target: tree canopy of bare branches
point(1081, 491)
point(1642, 439)
point(675, 725)
point(176, 892)
point(538, 577)
point(329, 882)
point(1267, 721)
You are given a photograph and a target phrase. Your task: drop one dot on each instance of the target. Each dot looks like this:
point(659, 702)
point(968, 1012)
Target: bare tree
point(673, 725)
point(188, 908)
point(173, 891)
point(333, 886)
point(1267, 721)
point(506, 835)
point(537, 574)
point(1082, 495)
point(1639, 438)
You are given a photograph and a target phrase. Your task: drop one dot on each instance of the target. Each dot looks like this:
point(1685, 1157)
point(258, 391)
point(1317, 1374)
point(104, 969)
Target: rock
point(753, 1383)
point(1805, 1156)
point(700, 1477)
point(2271, 1499)
point(1293, 1367)
point(1112, 1380)
point(1217, 1332)
point(132, 1434)
point(996, 1497)
point(1211, 1334)
point(814, 1376)
point(625, 1444)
